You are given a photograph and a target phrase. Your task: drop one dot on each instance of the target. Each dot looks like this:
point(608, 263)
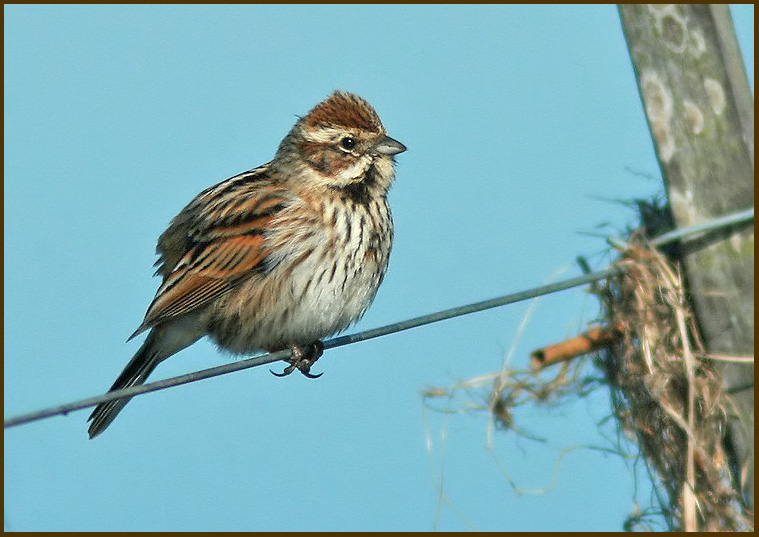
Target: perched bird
point(280, 256)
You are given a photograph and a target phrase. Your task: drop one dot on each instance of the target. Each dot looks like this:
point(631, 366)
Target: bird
point(278, 257)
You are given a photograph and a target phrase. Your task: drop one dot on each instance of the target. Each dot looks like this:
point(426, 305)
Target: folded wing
point(214, 244)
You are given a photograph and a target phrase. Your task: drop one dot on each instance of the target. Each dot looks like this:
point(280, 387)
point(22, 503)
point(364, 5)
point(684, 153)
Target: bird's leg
point(302, 358)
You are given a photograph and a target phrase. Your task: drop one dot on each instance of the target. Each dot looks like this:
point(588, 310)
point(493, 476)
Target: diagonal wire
point(721, 222)
point(340, 341)
point(328, 344)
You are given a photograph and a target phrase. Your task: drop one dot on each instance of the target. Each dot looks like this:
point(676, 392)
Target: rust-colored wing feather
point(215, 243)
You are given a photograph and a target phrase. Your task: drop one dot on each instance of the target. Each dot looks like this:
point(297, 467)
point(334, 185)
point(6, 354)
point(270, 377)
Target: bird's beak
point(388, 146)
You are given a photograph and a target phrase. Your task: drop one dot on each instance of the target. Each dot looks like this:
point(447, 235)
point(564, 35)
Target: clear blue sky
point(522, 123)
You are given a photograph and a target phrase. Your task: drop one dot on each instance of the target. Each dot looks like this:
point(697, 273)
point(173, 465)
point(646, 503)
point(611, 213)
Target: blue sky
point(523, 124)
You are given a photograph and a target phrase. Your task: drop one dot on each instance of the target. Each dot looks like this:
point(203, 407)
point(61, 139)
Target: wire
point(328, 344)
point(373, 333)
point(721, 222)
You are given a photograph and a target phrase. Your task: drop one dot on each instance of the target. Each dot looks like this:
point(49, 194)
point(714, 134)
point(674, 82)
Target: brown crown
point(344, 109)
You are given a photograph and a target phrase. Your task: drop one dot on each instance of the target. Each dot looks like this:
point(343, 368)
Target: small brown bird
point(278, 257)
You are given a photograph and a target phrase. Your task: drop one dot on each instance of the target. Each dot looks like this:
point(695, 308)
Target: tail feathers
point(136, 372)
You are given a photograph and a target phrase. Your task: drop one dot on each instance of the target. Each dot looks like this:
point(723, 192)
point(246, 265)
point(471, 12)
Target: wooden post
point(700, 111)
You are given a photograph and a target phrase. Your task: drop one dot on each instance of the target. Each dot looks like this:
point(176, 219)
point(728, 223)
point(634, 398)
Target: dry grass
point(667, 395)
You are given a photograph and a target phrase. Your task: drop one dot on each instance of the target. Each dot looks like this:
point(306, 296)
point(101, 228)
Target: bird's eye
point(348, 143)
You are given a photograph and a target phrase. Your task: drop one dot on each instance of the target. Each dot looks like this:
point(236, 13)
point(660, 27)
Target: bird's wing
point(215, 243)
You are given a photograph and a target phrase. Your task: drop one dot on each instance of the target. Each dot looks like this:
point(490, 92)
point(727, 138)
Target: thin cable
point(376, 332)
point(328, 344)
point(145, 388)
point(721, 222)
point(472, 308)
point(691, 232)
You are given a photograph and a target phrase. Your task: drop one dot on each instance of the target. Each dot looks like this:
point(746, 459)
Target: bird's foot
point(302, 358)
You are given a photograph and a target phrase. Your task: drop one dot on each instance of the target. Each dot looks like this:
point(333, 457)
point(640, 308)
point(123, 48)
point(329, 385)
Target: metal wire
point(375, 332)
point(717, 223)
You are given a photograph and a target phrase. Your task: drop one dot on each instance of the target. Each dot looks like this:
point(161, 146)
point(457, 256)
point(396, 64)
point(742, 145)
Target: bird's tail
point(136, 372)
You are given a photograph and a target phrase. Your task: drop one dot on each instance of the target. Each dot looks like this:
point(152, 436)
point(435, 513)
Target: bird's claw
point(311, 375)
point(302, 360)
point(289, 369)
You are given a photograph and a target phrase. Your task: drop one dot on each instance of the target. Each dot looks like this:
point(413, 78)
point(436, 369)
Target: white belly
point(307, 295)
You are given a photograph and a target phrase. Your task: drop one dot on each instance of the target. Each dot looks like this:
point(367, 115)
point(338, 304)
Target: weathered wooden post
point(700, 111)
